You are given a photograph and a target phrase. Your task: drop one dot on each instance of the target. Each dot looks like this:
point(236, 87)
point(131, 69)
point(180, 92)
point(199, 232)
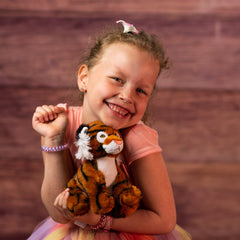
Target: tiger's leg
point(77, 202)
point(127, 196)
point(93, 180)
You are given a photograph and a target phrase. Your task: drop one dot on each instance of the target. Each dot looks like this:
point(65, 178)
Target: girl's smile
point(120, 111)
point(118, 87)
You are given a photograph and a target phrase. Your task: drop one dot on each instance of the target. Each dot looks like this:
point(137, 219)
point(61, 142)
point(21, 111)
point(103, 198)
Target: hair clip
point(128, 27)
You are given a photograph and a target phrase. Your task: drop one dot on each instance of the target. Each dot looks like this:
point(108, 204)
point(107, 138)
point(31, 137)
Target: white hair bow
point(127, 27)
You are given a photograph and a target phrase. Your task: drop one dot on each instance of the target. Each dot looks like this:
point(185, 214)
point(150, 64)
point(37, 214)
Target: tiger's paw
point(129, 201)
point(104, 203)
point(78, 204)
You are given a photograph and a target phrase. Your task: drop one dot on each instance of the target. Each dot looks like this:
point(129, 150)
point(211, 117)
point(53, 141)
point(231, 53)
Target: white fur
point(108, 166)
point(83, 146)
point(113, 147)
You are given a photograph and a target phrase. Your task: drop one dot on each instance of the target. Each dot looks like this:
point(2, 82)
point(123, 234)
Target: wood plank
point(46, 51)
point(198, 125)
point(21, 207)
point(207, 198)
point(140, 6)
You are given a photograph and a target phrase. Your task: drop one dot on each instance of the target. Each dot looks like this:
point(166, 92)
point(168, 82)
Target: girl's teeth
point(118, 110)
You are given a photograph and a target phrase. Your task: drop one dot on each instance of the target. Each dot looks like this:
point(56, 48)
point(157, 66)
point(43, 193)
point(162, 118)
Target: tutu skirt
point(51, 230)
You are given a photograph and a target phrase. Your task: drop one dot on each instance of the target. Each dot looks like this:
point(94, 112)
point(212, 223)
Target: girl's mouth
point(122, 111)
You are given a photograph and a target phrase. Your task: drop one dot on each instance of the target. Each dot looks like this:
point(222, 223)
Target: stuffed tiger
point(100, 184)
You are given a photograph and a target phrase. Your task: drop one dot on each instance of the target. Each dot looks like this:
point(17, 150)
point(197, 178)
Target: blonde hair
point(142, 40)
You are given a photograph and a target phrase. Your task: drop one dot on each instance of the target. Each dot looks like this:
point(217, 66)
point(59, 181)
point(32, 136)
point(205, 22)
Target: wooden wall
point(196, 109)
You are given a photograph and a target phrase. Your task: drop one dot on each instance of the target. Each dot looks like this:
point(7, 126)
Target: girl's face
point(118, 87)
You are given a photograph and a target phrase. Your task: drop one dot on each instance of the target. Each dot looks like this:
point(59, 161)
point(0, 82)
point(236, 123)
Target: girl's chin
point(120, 124)
point(114, 125)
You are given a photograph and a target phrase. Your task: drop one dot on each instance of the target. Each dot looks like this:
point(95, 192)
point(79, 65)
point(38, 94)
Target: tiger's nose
point(118, 142)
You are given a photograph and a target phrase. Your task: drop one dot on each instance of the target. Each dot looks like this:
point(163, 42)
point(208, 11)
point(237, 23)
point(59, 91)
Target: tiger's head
point(95, 140)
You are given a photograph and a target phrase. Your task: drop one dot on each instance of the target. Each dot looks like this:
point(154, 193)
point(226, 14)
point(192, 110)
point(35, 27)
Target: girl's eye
point(139, 90)
point(117, 79)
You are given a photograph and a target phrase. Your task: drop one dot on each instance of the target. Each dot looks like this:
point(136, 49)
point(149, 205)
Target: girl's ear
point(83, 78)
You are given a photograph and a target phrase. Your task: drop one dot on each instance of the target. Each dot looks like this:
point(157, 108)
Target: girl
point(117, 80)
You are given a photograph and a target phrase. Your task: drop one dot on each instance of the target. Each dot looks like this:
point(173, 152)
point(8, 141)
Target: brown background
point(196, 109)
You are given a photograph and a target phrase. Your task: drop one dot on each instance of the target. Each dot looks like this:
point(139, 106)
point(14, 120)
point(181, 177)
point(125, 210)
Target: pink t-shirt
point(139, 140)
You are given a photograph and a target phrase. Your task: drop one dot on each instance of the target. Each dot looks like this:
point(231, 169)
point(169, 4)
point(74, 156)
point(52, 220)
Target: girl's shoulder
point(74, 112)
point(140, 140)
point(140, 128)
point(140, 133)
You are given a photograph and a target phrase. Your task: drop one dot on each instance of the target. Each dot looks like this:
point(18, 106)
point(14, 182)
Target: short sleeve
point(74, 114)
point(139, 141)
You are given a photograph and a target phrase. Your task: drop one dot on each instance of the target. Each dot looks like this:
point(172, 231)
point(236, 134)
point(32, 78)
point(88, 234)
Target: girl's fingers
point(59, 109)
point(56, 202)
point(47, 113)
point(61, 203)
point(51, 114)
point(61, 199)
point(43, 112)
point(38, 117)
point(65, 198)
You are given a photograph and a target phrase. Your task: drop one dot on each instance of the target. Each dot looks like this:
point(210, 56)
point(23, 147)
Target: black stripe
point(84, 175)
point(123, 190)
point(97, 196)
point(122, 182)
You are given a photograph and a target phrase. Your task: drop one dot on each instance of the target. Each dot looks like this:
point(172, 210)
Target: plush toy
point(100, 183)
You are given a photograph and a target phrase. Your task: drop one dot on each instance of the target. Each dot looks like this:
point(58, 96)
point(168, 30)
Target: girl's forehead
point(121, 46)
point(124, 52)
point(129, 61)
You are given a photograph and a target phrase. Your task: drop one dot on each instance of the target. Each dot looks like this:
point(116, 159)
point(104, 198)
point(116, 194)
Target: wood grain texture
point(140, 6)
point(196, 109)
point(203, 50)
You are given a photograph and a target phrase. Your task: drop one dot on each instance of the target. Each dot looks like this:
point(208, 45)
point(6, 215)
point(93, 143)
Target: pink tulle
point(48, 226)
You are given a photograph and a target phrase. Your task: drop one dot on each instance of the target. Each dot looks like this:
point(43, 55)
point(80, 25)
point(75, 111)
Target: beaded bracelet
point(54, 149)
point(105, 224)
point(100, 224)
point(108, 224)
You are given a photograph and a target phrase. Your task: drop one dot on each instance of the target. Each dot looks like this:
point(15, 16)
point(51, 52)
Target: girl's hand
point(50, 121)
point(61, 204)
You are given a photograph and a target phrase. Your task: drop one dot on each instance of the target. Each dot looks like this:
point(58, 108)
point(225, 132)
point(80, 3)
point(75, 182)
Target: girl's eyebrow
point(118, 71)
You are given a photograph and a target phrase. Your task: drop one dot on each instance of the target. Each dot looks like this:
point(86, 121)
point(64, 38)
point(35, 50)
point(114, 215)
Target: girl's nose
point(126, 95)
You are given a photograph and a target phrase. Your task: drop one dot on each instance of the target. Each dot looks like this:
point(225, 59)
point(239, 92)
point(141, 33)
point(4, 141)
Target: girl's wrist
point(104, 224)
point(53, 141)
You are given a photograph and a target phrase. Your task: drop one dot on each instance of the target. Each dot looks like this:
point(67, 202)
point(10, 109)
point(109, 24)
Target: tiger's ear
point(80, 130)
point(83, 144)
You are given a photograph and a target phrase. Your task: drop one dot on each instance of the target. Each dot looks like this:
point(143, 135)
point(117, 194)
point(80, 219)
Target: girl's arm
point(159, 214)
point(50, 122)
point(57, 172)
